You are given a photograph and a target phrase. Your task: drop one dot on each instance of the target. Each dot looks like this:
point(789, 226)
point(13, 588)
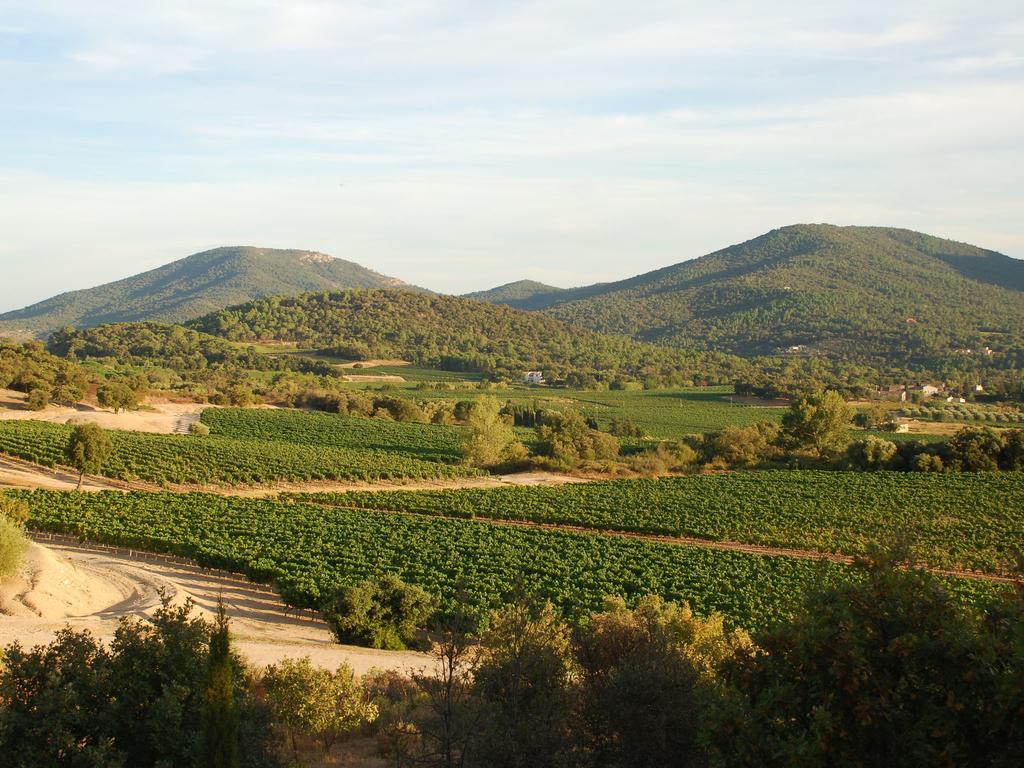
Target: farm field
point(964, 521)
point(423, 441)
point(661, 413)
point(218, 460)
point(308, 550)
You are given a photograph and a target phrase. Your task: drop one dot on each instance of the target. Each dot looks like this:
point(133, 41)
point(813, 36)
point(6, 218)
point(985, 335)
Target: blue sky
point(459, 145)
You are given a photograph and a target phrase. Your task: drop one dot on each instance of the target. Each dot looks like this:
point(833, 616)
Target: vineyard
point(309, 550)
point(218, 460)
point(968, 520)
point(423, 441)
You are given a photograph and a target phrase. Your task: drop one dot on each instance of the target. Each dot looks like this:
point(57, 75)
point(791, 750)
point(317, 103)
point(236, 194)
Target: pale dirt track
point(67, 585)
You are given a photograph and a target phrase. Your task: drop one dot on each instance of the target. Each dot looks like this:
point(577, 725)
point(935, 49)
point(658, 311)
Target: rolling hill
point(860, 293)
point(455, 334)
point(521, 294)
point(195, 285)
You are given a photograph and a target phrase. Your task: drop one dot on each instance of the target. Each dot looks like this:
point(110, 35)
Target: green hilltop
point(195, 285)
point(860, 293)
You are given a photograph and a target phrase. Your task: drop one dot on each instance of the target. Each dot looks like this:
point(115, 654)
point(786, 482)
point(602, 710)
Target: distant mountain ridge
point(196, 285)
point(863, 293)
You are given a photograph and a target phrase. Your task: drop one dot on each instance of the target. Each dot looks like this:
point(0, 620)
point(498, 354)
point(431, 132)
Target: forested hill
point(863, 293)
point(457, 334)
point(194, 286)
point(522, 294)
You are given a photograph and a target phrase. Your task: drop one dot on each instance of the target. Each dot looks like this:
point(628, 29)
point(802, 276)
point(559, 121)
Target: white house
point(534, 377)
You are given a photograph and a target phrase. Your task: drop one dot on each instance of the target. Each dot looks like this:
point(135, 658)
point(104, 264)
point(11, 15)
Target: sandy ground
point(373, 363)
point(357, 377)
point(160, 417)
point(62, 586)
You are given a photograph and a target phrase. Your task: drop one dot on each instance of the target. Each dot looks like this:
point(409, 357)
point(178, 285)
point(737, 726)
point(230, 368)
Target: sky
point(461, 144)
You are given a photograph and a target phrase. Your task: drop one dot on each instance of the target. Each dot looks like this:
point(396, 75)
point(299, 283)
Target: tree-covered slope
point(521, 294)
point(196, 285)
point(857, 292)
point(453, 333)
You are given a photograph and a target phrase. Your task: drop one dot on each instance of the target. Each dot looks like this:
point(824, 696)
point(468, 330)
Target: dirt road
point(66, 585)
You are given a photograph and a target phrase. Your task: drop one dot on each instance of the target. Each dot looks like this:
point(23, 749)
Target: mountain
point(521, 294)
point(455, 334)
point(867, 294)
point(194, 286)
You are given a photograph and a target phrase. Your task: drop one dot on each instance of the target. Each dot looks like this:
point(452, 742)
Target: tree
point(219, 738)
point(88, 449)
point(818, 424)
point(38, 399)
point(647, 674)
point(744, 446)
point(974, 449)
point(887, 669)
point(379, 613)
point(523, 679)
point(1012, 457)
point(314, 702)
point(566, 438)
point(871, 453)
point(486, 435)
point(117, 396)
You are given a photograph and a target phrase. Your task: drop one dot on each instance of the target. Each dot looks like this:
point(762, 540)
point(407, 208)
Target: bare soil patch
point(61, 585)
point(158, 416)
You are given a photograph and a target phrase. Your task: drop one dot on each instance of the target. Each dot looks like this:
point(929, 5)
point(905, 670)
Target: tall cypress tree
point(218, 746)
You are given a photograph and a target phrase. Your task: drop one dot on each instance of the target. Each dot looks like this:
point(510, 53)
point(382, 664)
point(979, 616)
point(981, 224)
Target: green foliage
point(870, 453)
point(38, 399)
point(195, 285)
point(522, 680)
point(310, 551)
point(198, 428)
point(379, 613)
point(138, 703)
point(13, 545)
point(955, 520)
point(312, 702)
point(487, 435)
point(566, 438)
point(843, 292)
point(646, 676)
point(453, 334)
point(744, 446)
point(818, 424)
point(117, 396)
point(975, 449)
point(88, 449)
point(15, 510)
point(199, 460)
point(219, 735)
point(889, 670)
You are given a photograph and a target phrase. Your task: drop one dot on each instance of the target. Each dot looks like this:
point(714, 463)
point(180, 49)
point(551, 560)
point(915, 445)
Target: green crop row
point(217, 460)
point(957, 520)
point(310, 550)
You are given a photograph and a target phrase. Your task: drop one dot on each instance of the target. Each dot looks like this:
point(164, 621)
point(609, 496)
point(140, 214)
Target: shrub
point(379, 613)
point(13, 544)
point(15, 510)
point(38, 399)
point(871, 453)
point(198, 428)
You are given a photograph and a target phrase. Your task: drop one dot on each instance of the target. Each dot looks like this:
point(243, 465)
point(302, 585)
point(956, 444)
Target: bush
point(13, 544)
point(198, 428)
point(38, 399)
point(379, 613)
point(14, 510)
point(871, 453)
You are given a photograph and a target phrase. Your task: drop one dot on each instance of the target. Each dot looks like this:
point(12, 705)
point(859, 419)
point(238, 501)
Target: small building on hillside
point(893, 392)
point(956, 399)
point(926, 390)
point(534, 377)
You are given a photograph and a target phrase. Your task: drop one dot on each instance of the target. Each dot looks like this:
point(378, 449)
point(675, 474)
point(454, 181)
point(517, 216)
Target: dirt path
point(18, 473)
point(83, 587)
